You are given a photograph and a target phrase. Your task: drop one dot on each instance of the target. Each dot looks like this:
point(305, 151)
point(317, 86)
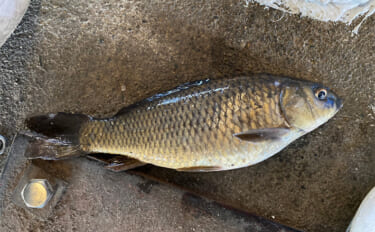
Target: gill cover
point(307, 105)
point(292, 104)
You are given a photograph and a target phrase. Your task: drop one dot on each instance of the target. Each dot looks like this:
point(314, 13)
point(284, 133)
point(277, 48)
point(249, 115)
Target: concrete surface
point(95, 57)
point(94, 199)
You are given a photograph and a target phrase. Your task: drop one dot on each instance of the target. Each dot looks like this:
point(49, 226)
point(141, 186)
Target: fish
point(207, 125)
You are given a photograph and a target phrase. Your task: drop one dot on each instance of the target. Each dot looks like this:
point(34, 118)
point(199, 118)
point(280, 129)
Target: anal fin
point(117, 163)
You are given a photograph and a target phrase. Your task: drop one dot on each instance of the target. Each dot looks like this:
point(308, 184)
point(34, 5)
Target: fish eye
point(321, 94)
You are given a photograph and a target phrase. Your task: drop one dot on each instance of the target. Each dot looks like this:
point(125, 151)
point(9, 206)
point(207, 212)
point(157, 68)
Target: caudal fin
point(58, 135)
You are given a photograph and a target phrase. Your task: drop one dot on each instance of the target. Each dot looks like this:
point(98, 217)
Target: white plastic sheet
point(11, 13)
point(325, 10)
point(364, 219)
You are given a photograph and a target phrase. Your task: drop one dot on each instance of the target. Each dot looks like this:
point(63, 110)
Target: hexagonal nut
point(2, 144)
point(37, 193)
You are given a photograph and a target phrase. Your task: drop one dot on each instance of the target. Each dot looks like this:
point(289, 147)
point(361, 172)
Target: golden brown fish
point(202, 126)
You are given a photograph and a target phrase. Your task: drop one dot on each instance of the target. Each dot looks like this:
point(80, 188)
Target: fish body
point(195, 126)
point(202, 126)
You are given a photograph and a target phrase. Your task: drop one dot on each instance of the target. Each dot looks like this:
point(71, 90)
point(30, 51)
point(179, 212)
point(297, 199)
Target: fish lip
point(339, 103)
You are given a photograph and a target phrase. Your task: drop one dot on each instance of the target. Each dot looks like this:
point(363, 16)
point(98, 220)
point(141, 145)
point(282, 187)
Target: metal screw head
point(37, 193)
point(2, 144)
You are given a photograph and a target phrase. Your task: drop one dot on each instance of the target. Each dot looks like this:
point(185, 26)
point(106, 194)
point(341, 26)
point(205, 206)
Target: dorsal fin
point(158, 96)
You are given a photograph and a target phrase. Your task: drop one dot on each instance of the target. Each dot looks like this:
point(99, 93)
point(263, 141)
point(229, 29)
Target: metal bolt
point(37, 193)
point(2, 144)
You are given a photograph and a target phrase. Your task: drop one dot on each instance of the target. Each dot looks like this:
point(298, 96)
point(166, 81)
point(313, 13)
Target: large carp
point(202, 126)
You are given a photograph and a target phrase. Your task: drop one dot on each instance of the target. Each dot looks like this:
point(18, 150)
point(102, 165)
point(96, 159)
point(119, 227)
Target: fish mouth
point(339, 103)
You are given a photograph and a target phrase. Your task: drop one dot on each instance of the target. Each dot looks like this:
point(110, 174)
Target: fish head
point(307, 105)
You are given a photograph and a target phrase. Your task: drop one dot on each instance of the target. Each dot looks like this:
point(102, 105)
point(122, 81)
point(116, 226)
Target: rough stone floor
point(97, 56)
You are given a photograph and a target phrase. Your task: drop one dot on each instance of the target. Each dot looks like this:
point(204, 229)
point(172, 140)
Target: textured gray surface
point(94, 199)
point(11, 13)
point(95, 57)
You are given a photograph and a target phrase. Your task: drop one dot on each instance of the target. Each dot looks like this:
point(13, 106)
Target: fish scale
point(190, 127)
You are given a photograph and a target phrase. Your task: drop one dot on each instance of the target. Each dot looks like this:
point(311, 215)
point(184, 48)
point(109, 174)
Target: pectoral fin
point(200, 169)
point(260, 135)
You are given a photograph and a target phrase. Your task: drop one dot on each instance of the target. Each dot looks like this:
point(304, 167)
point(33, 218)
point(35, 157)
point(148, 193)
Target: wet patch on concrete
point(146, 187)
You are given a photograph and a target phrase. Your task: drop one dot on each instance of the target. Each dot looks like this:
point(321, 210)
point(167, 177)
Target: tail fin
point(58, 135)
